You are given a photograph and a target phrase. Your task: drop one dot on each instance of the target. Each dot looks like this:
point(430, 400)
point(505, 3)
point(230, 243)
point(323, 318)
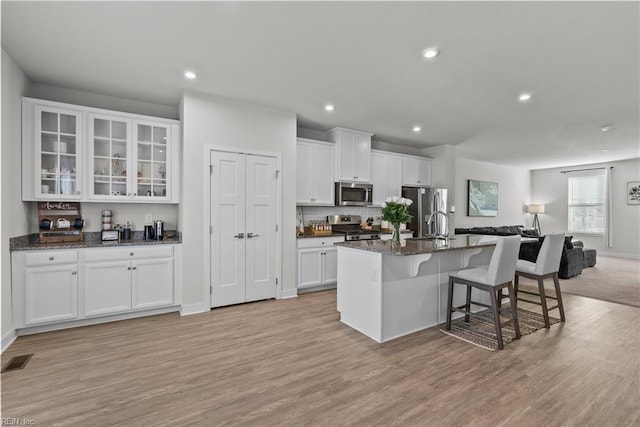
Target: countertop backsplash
point(122, 212)
point(320, 213)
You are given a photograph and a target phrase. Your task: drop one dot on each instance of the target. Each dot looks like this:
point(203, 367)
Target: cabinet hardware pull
point(50, 258)
point(239, 236)
point(128, 268)
point(134, 268)
point(251, 235)
point(131, 254)
point(74, 273)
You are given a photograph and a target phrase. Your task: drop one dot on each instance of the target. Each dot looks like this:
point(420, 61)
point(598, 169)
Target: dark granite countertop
point(307, 234)
point(92, 239)
point(417, 246)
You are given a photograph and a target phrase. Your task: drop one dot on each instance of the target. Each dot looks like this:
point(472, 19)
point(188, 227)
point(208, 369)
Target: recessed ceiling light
point(607, 127)
point(524, 97)
point(605, 150)
point(329, 107)
point(431, 52)
point(417, 128)
point(190, 75)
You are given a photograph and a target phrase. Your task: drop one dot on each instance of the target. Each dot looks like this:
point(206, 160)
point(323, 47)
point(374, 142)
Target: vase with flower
point(395, 210)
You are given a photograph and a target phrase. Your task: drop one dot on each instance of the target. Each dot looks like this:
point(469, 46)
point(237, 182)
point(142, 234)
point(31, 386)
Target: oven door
point(352, 194)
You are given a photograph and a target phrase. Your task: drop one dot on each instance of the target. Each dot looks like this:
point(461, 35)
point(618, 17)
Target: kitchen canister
point(107, 219)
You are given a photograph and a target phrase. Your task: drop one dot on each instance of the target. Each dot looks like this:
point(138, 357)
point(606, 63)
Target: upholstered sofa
point(571, 262)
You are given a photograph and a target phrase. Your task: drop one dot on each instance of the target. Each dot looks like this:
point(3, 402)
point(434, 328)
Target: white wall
point(550, 187)
point(72, 96)
point(15, 214)
point(231, 123)
point(514, 193)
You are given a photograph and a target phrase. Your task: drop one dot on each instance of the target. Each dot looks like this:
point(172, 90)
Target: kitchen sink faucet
point(446, 218)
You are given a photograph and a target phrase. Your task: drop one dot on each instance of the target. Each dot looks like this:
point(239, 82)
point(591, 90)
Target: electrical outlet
point(148, 218)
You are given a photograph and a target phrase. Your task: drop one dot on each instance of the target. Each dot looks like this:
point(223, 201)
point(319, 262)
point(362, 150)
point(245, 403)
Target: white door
point(243, 215)
point(261, 224)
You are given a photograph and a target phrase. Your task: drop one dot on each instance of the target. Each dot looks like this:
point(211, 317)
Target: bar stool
point(546, 265)
point(500, 274)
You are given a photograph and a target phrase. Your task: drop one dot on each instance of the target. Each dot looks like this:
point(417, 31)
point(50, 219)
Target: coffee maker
point(155, 231)
point(158, 229)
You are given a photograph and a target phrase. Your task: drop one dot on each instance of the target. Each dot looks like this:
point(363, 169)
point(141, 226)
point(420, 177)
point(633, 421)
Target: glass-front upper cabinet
point(71, 152)
point(109, 157)
point(58, 153)
point(152, 145)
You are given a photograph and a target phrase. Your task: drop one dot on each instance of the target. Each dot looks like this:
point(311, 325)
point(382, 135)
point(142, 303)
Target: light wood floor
point(291, 362)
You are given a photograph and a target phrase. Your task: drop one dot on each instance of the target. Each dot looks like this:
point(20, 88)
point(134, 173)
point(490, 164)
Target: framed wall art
point(482, 198)
point(633, 193)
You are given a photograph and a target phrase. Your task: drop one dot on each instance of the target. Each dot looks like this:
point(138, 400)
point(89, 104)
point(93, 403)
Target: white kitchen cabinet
point(416, 170)
point(386, 175)
point(152, 283)
point(317, 261)
point(88, 284)
point(48, 291)
point(110, 155)
point(123, 279)
point(107, 287)
point(353, 154)
point(315, 173)
point(51, 294)
point(72, 152)
point(129, 159)
point(52, 152)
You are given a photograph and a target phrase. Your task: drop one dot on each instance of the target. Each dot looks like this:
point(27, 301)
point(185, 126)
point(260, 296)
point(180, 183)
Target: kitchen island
point(386, 291)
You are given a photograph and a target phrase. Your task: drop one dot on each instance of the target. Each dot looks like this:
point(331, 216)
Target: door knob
point(240, 236)
point(251, 235)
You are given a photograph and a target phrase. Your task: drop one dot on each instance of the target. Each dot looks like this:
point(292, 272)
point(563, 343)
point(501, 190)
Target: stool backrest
point(548, 260)
point(502, 267)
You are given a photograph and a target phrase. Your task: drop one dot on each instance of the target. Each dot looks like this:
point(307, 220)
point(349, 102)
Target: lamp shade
point(535, 209)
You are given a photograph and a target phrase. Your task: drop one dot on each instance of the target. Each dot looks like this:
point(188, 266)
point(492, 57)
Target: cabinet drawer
point(318, 242)
point(50, 258)
point(130, 252)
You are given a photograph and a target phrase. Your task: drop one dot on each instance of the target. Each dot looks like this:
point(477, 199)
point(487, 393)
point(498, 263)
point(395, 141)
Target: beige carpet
point(612, 279)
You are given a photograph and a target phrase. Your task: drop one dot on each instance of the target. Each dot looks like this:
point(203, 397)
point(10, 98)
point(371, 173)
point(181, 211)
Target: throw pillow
point(567, 242)
point(530, 233)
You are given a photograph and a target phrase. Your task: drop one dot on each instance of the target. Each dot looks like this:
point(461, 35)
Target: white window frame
point(601, 204)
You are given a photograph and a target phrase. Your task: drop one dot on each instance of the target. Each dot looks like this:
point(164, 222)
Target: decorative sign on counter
point(60, 222)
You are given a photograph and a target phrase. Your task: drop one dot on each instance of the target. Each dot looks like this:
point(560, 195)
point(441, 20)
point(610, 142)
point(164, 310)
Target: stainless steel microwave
point(353, 194)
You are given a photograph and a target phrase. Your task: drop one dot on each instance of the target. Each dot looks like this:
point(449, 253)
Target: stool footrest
point(520, 291)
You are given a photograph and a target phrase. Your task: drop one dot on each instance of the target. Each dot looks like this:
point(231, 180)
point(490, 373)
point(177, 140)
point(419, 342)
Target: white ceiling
point(579, 59)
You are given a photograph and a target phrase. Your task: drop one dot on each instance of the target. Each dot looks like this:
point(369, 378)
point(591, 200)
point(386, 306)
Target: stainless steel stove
point(349, 225)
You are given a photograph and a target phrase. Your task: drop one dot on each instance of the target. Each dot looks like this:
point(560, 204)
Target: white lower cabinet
point(107, 287)
point(67, 285)
point(317, 262)
point(51, 294)
point(152, 283)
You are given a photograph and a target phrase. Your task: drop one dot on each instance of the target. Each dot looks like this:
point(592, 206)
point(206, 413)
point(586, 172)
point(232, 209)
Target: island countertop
point(417, 246)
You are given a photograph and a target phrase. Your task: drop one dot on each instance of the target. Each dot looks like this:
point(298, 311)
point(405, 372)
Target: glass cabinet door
point(58, 133)
point(152, 142)
point(110, 152)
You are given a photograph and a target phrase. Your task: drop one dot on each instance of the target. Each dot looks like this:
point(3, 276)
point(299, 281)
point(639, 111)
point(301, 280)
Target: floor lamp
point(535, 210)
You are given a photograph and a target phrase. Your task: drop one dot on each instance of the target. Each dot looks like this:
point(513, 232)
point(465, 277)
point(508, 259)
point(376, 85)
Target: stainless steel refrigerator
point(426, 201)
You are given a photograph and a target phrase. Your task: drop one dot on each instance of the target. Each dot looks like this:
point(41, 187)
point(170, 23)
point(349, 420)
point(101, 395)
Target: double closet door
point(243, 218)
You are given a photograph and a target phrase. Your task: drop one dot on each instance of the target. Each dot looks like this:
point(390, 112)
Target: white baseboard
point(189, 309)
point(619, 255)
point(288, 293)
point(8, 339)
